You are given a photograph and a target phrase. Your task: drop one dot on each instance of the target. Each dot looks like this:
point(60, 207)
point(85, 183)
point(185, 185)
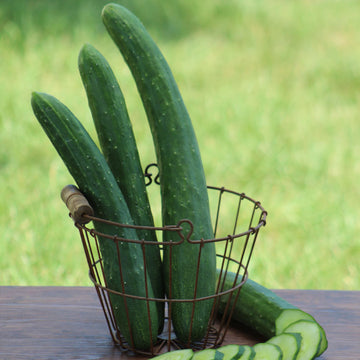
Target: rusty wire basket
point(237, 220)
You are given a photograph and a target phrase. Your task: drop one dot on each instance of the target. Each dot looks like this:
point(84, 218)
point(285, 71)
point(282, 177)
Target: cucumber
point(184, 354)
point(182, 180)
point(235, 352)
point(117, 141)
point(95, 180)
point(208, 354)
point(267, 351)
point(311, 336)
point(248, 353)
point(261, 309)
point(289, 343)
point(290, 316)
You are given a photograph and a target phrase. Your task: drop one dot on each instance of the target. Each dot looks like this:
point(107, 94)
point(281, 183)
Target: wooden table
point(68, 323)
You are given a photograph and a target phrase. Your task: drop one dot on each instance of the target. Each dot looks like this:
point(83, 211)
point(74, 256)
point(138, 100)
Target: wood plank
point(68, 323)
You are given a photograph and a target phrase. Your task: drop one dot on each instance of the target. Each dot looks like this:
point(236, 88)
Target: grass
point(273, 91)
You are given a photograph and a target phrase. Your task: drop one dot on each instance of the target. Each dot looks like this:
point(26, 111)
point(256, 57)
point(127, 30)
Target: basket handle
point(77, 204)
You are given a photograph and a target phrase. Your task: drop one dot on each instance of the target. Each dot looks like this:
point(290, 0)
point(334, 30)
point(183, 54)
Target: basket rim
point(175, 228)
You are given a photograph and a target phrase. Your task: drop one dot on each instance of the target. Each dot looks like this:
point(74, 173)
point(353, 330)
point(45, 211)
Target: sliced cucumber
point(232, 352)
point(263, 310)
point(311, 336)
point(289, 344)
point(267, 351)
point(208, 354)
point(289, 316)
point(260, 308)
point(248, 353)
point(185, 354)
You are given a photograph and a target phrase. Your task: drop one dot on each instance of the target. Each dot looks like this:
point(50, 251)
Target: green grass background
point(273, 88)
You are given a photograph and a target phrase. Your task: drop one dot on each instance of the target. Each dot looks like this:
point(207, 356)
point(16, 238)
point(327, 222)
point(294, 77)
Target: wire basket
point(237, 221)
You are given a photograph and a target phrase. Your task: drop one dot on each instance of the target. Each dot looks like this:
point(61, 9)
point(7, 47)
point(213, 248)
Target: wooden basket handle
point(77, 204)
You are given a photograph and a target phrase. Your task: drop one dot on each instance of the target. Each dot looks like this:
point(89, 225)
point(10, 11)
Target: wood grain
point(68, 323)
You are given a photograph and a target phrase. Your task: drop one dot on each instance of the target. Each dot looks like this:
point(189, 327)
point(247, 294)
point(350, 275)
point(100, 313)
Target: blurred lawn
point(273, 89)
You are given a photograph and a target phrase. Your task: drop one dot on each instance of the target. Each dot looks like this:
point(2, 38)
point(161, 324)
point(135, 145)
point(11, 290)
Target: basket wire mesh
point(234, 249)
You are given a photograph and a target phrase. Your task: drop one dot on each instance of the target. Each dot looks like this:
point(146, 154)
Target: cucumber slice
point(267, 351)
point(232, 352)
point(208, 354)
point(185, 354)
point(248, 354)
point(289, 316)
point(289, 344)
point(311, 335)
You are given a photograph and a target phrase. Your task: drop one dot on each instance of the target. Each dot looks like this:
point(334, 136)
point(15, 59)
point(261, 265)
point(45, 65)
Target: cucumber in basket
point(117, 141)
point(95, 180)
point(264, 311)
point(182, 180)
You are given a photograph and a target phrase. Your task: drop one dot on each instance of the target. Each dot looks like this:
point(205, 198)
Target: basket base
point(168, 342)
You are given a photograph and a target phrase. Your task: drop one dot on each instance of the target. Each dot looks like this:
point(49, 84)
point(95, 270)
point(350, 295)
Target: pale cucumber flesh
point(232, 352)
point(311, 335)
point(265, 351)
point(289, 316)
point(288, 343)
point(208, 354)
point(185, 354)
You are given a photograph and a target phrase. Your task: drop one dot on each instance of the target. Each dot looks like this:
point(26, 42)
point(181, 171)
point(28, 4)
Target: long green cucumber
point(117, 141)
point(262, 310)
point(94, 178)
point(182, 180)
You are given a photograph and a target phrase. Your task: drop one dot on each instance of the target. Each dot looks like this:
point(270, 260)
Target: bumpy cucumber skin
point(183, 186)
point(117, 141)
point(94, 178)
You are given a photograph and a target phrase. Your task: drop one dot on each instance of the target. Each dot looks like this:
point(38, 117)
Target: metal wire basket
point(237, 221)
